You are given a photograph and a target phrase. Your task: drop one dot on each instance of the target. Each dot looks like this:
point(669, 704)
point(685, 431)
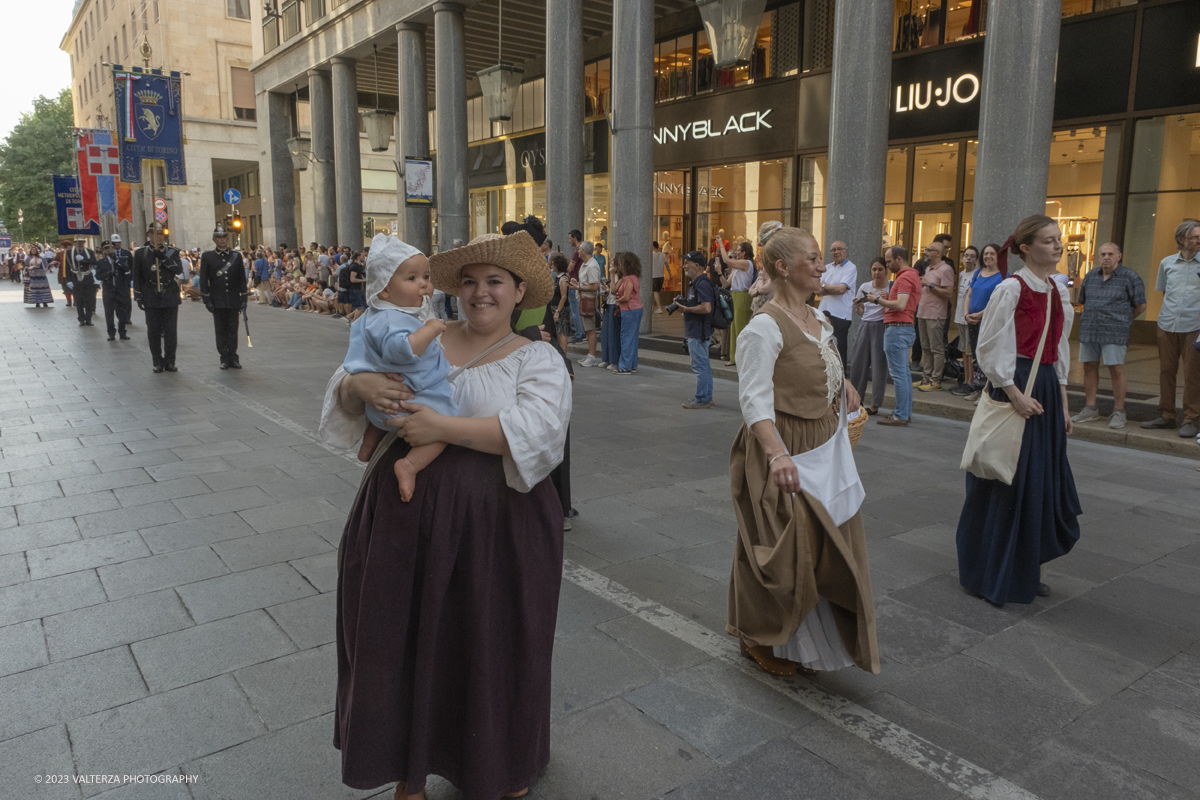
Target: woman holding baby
point(447, 602)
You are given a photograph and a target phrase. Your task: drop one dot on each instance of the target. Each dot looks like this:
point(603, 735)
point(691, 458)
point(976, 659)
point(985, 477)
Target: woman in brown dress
point(447, 604)
point(800, 590)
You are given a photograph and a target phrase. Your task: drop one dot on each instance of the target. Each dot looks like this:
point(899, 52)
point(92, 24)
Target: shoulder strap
point(1037, 360)
point(459, 370)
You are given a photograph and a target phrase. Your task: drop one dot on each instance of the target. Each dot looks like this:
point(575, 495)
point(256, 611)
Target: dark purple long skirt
point(446, 611)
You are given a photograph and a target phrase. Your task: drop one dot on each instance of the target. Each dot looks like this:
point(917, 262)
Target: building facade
point(210, 42)
point(942, 124)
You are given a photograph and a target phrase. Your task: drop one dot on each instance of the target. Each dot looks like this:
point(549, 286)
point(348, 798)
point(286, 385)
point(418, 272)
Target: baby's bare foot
point(406, 473)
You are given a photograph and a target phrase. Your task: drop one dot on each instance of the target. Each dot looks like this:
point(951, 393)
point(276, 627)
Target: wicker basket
point(855, 425)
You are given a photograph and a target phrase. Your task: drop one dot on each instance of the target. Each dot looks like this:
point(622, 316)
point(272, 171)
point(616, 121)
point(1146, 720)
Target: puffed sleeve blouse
point(997, 350)
point(529, 390)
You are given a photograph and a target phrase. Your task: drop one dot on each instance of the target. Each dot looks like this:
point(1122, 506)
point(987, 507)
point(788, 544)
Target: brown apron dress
point(789, 554)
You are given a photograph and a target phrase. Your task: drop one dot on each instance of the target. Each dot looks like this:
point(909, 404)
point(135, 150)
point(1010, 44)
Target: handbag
point(829, 474)
point(994, 443)
point(587, 304)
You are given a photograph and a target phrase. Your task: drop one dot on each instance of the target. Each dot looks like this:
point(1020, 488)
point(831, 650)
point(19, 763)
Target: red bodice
point(1030, 318)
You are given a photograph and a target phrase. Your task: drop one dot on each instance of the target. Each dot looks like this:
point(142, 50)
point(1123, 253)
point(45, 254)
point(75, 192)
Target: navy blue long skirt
point(1005, 533)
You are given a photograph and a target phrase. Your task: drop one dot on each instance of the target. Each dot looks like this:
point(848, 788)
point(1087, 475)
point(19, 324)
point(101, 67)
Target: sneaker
point(974, 398)
point(1188, 430)
point(920, 383)
point(1090, 413)
point(962, 390)
point(698, 404)
point(658, 311)
point(566, 524)
point(619, 371)
point(1158, 423)
point(893, 421)
point(929, 387)
point(589, 361)
point(603, 365)
point(1117, 420)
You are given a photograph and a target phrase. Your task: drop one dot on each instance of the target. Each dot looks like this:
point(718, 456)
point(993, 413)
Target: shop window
point(596, 204)
point(242, 92)
point(1072, 7)
point(918, 24)
point(814, 180)
point(491, 208)
point(732, 201)
point(1164, 190)
point(1081, 193)
point(708, 77)
point(969, 196)
point(672, 198)
point(935, 173)
point(817, 52)
point(673, 72)
point(597, 87)
point(895, 187)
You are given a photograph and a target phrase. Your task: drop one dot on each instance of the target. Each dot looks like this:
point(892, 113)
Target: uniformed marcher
point(223, 289)
point(113, 271)
point(80, 262)
point(156, 268)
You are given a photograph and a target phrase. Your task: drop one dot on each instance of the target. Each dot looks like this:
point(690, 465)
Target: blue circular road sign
point(233, 196)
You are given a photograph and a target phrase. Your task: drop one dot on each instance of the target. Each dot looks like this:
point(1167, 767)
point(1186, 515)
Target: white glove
point(79, 256)
point(70, 285)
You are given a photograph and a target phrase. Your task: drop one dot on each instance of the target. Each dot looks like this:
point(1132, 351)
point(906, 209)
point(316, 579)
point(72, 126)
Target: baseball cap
point(697, 257)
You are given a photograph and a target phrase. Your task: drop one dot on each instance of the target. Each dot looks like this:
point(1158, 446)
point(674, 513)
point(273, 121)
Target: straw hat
point(516, 253)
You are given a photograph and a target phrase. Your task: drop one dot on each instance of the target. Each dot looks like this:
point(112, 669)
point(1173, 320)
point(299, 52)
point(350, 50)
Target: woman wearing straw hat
point(447, 603)
point(800, 590)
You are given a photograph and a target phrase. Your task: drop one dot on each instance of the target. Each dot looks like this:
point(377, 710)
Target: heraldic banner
point(69, 204)
point(98, 161)
point(149, 122)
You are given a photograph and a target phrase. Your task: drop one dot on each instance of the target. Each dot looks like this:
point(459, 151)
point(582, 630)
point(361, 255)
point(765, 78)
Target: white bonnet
point(386, 256)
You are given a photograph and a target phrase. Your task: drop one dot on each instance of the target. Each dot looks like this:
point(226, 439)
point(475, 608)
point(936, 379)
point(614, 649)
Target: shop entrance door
point(926, 220)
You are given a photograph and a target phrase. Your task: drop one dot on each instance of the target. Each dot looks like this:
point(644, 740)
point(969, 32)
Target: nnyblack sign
point(738, 125)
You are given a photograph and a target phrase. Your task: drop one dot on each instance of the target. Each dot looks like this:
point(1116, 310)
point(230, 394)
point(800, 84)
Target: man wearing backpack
point(697, 308)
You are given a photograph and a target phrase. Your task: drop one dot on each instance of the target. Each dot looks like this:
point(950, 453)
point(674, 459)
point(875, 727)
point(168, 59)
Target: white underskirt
point(817, 644)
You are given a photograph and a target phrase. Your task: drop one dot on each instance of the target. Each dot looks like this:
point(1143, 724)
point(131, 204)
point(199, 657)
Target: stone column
point(346, 154)
point(320, 109)
point(858, 131)
point(632, 197)
point(451, 98)
point(275, 172)
point(1016, 117)
point(564, 119)
point(412, 134)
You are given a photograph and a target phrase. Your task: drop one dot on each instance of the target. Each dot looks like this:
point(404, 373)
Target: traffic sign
point(160, 204)
point(160, 216)
point(232, 196)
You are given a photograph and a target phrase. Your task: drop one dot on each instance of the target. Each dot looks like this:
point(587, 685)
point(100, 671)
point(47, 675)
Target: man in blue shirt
point(696, 327)
point(1178, 324)
point(262, 277)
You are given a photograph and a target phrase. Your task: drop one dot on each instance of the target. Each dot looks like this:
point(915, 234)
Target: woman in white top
point(447, 603)
point(867, 358)
point(970, 260)
point(800, 589)
point(742, 276)
point(1007, 531)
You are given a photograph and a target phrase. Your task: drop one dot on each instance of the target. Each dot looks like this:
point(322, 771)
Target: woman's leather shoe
point(766, 659)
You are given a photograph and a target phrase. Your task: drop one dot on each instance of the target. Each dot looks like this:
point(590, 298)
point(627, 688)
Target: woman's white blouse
point(872, 312)
point(758, 348)
point(529, 390)
point(997, 351)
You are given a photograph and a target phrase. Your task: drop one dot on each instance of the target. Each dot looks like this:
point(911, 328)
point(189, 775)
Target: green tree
point(39, 146)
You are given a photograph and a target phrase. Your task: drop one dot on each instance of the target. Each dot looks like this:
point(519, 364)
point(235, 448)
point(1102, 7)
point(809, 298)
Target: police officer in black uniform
point(156, 268)
point(80, 262)
point(113, 272)
point(223, 288)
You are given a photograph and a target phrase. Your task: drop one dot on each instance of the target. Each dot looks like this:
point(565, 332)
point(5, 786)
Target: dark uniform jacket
point(79, 271)
point(222, 279)
point(114, 270)
point(154, 274)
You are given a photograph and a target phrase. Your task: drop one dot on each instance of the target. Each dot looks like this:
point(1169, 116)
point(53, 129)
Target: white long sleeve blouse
point(997, 350)
point(529, 390)
point(758, 348)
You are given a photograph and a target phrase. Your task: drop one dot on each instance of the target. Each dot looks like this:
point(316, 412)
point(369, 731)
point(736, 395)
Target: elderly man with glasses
point(1178, 323)
point(933, 310)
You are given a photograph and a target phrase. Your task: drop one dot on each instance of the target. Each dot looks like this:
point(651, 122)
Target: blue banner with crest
point(149, 122)
point(68, 203)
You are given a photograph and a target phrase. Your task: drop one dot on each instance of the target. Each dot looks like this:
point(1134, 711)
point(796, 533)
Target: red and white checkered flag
point(102, 160)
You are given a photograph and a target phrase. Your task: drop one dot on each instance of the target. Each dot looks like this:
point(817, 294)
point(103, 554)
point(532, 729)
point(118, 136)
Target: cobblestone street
point(167, 595)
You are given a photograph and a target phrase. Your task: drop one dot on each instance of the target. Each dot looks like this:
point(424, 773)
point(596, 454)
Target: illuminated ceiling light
point(1081, 147)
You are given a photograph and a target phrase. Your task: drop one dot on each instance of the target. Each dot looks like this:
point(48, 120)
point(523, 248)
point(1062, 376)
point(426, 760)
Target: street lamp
point(732, 27)
point(300, 149)
point(378, 123)
point(500, 81)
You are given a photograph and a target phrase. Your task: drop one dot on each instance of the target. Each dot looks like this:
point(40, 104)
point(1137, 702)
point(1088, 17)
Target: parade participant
point(37, 288)
point(113, 272)
point(1007, 531)
point(156, 268)
point(79, 264)
point(223, 289)
point(447, 604)
point(810, 602)
point(57, 260)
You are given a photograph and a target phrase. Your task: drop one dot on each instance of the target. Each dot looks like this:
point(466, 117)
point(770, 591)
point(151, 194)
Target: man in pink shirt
point(933, 310)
